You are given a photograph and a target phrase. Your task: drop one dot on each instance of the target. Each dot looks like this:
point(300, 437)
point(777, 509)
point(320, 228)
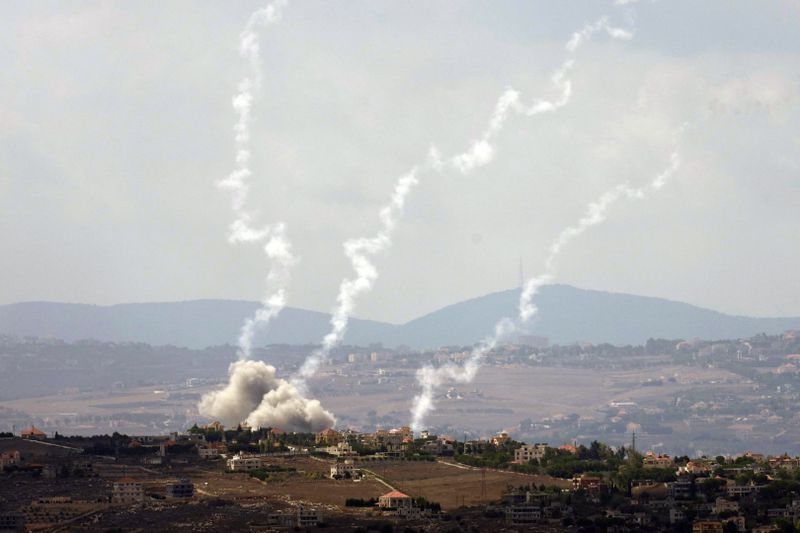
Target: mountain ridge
point(567, 314)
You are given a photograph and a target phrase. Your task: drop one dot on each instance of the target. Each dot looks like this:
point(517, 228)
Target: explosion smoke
point(430, 378)
point(253, 392)
point(480, 152)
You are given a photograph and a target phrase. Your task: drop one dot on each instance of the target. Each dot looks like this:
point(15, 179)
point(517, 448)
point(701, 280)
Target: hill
point(567, 314)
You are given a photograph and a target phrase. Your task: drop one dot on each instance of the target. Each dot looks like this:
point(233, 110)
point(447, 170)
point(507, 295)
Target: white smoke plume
point(255, 395)
point(359, 252)
point(480, 152)
point(431, 378)
point(277, 248)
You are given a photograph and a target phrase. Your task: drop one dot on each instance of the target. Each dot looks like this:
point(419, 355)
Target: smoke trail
point(480, 152)
point(277, 248)
point(359, 252)
point(430, 378)
point(253, 392)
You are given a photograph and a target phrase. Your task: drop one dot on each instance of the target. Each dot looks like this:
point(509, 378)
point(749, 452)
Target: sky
point(116, 123)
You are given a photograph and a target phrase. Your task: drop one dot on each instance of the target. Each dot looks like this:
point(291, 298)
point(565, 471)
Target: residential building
point(10, 458)
point(530, 452)
point(33, 433)
point(343, 470)
point(127, 490)
point(12, 521)
point(734, 490)
point(652, 460)
point(500, 439)
point(395, 500)
point(694, 467)
point(721, 505)
point(208, 452)
point(589, 483)
point(327, 437)
point(308, 517)
point(342, 449)
point(183, 489)
point(707, 526)
point(523, 515)
point(244, 463)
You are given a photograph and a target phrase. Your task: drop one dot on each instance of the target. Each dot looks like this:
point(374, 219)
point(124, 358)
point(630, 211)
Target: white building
point(530, 452)
point(341, 449)
point(244, 463)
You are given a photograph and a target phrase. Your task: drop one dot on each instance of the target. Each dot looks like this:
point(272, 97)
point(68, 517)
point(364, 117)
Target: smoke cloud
point(430, 378)
point(480, 152)
point(255, 395)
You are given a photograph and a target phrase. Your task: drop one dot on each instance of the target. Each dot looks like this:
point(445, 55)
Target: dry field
point(456, 485)
point(296, 486)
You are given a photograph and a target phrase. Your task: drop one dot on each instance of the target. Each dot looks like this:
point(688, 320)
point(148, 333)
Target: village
point(385, 479)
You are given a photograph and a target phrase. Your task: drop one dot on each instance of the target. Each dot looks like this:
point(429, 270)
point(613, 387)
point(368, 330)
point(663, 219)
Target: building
point(652, 460)
point(127, 490)
point(342, 449)
point(308, 517)
point(210, 451)
point(33, 433)
point(589, 483)
point(530, 452)
point(343, 470)
point(500, 439)
point(523, 515)
point(721, 505)
point(45, 512)
point(734, 490)
point(327, 437)
point(183, 489)
point(694, 467)
point(10, 458)
point(245, 463)
point(395, 500)
point(682, 488)
point(12, 521)
point(571, 448)
point(707, 526)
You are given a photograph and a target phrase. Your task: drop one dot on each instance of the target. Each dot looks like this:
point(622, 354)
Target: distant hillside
point(567, 314)
point(194, 324)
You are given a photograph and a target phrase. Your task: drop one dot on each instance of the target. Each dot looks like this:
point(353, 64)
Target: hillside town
point(692, 397)
point(266, 479)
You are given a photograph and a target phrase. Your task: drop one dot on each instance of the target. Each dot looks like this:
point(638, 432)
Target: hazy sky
point(116, 122)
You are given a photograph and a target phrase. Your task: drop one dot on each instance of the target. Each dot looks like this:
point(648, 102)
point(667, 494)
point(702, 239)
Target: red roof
point(395, 494)
point(33, 431)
